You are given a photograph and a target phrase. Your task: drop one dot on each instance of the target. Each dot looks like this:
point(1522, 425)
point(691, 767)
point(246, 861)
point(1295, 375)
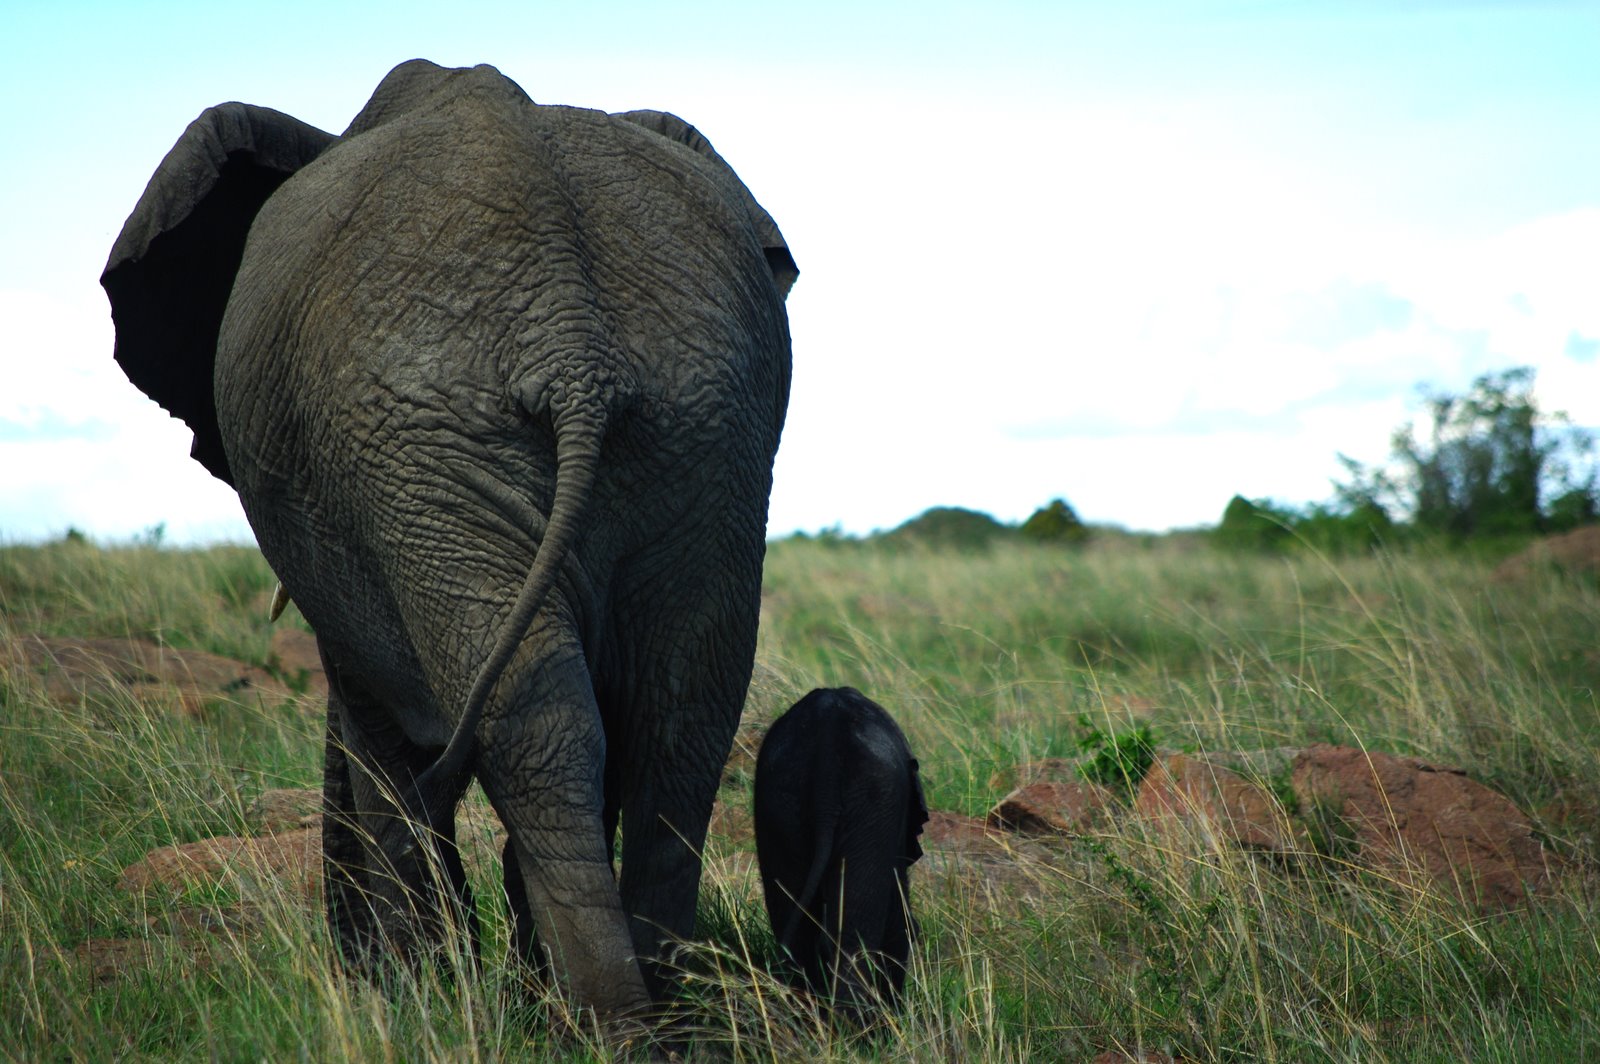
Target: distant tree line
point(1488, 465)
point(956, 528)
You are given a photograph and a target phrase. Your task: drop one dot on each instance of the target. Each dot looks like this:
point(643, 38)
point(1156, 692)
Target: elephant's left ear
point(172, 268)
point(784, 270)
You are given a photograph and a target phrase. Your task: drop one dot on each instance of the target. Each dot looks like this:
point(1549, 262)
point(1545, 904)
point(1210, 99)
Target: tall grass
point(1164, 942)
point(993, 658)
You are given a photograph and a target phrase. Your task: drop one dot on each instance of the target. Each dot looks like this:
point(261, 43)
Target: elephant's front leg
point(540, 759)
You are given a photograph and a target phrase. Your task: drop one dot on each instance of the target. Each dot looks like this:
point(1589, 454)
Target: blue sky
point(1139, 255)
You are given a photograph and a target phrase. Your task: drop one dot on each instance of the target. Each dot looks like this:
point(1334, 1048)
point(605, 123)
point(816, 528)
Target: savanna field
point(1129, 940)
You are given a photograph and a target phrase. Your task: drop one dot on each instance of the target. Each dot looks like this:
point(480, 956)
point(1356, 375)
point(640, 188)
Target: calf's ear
point(916, 813)
point(172, 268)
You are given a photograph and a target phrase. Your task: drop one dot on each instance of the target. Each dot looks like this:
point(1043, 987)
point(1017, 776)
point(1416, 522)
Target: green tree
point(1055, 523)
point(1573, 507)
point(1336, 528)
point(1490, 463)
point(1253, 525)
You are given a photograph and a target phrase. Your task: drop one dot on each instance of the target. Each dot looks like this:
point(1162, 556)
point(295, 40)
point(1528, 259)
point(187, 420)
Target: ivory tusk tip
point(280, 599)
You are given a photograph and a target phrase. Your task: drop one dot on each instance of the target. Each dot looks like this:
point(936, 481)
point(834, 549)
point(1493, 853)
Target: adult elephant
point(500, 387)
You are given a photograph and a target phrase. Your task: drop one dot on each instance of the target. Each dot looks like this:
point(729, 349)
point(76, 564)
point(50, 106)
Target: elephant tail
point(577, 459)
point(822, 849)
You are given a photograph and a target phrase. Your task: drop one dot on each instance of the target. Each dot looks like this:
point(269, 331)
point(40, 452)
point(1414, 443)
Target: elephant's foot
point(583, 937)
point(390, 914)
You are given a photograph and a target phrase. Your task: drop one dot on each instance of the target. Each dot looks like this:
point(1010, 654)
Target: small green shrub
point(1118, 758)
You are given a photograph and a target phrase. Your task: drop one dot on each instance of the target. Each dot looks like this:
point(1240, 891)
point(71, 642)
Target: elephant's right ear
point(776, 249)
point(172, 268)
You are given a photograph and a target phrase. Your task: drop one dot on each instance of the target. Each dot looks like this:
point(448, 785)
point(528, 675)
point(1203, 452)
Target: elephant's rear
point(424, 328)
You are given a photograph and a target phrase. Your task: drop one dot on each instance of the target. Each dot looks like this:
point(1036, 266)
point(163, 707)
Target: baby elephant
point(838, 808)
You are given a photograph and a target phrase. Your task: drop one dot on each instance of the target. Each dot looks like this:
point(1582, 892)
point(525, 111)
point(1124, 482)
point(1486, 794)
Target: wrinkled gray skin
point(838, 808)
point(500, 387)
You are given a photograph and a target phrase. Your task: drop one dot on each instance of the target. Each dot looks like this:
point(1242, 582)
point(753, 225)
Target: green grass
point(990, 661)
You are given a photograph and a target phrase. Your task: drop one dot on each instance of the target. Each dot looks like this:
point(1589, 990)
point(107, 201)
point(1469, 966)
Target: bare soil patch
point(71, 669)
point(1577, 552)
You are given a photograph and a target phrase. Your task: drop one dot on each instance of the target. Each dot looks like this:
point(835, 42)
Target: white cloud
point(115, 488)
point(58, 346)
point(80, 447)
point(1527, 287)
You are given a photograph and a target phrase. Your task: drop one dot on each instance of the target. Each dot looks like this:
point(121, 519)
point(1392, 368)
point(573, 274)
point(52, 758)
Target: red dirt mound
point(72, 669)
point(1416, 821)
point(1577, 551)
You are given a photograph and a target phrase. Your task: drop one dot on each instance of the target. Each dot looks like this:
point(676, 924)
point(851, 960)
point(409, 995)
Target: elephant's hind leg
point(524, 926)
point(352, 917)
point(540, 759)
point(683, 709)
point(394, 884)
